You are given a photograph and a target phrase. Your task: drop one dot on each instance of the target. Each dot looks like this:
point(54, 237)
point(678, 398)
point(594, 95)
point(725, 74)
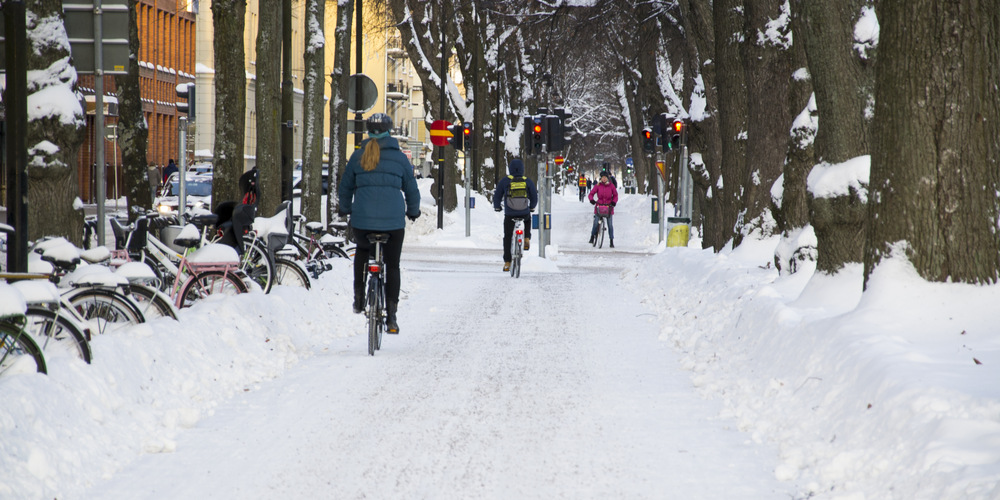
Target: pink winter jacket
point(606, 195)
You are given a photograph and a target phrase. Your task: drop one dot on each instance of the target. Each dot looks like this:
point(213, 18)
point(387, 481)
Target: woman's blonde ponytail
point(371, 156)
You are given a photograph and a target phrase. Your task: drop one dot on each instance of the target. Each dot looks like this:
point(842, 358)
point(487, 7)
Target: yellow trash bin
point(678, 231)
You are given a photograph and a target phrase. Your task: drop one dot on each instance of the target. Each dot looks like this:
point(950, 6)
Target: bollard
point(678, 232)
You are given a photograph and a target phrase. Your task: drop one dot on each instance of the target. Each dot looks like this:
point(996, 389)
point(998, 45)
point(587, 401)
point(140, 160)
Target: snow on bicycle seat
point(59, 252)
point(214, 253)
point(11, 301)
point(95, 276)
point(96, 254)
point(189, 237)
point(38, 291)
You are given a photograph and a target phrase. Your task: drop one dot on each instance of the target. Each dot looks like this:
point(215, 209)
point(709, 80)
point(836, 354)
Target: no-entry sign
point(440, 133)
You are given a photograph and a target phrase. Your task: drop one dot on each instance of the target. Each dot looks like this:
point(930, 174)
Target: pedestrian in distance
point(604, 193)
point(376, 180)
point(516, 195)
point(171, 169)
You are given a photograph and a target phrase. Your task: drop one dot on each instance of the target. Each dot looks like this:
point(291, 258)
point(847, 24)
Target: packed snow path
point(553, 385)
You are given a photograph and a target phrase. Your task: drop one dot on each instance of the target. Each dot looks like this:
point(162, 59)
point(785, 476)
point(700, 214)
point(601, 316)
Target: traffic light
point(186, 91)
point(675, 135)
point(648, 140)
point(534, 134)
point(467, 133)
point(558, 130)
point(457, 139)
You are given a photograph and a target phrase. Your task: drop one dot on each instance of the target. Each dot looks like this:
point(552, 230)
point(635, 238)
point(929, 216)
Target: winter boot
point(390, 318)
point(592, 238)
point(612, 240)
point(506, 266)
point(359, 300)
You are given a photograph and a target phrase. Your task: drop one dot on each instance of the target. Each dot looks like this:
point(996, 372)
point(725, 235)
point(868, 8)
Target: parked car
point(297, 181)
point(198, 189)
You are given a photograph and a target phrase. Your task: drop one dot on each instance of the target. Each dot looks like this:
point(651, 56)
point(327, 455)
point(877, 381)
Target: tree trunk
point(133, 131)
point(230, 99)
point(732, 107)
point(312, 111)
point(266, 97)
point(934, 174)
point(704, 139)
point(842, 82)
point(54, 139)
point(424, 42)
point(338, 101)
point(767, 65)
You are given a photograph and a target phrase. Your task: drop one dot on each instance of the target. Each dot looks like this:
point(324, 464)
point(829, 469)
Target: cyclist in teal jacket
point(377, 178)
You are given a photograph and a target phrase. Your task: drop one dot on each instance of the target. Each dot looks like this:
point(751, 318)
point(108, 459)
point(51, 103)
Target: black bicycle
point(516, 248)
point(603, 211)
point(375, 310)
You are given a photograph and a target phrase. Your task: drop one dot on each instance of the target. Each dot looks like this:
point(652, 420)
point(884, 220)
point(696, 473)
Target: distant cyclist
point(605, 194)
point(517, 196)
point(582, 184)
point(376, 178)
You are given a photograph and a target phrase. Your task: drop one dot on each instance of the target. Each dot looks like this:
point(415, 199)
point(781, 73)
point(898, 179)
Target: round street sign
point(559, 160)
point(368, 93)
point(440, 133)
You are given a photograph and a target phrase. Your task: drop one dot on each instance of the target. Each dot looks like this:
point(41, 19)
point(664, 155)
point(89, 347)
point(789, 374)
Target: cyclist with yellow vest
point(517, 196)
point(582, 183)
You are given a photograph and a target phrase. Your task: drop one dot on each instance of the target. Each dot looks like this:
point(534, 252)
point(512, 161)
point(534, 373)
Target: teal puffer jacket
point(375, 199)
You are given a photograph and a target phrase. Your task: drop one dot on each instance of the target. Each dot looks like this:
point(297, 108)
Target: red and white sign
point(440, 133)
point(559, 160)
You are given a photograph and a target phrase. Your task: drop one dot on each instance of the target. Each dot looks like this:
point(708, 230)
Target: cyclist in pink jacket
point(606, 194)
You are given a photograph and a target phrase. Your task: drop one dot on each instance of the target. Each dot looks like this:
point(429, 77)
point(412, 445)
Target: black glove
point(612, 203)
point(413, 217)
point(592, 202)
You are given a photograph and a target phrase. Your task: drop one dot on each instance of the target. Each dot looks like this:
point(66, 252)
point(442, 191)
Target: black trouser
point(508, 230)
point(390, 255)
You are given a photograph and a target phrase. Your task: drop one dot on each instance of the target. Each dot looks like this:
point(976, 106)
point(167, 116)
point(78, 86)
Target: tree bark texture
point(230, 99)
point(312, 110)
point(133, 132)
point(53, 140)
point(266, 98)
point(842, 83)
point(338, 101)
point(732, 107)
point(768, 70)
point(934, 178)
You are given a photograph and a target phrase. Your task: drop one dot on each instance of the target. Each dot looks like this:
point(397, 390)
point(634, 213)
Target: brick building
point(166, 59)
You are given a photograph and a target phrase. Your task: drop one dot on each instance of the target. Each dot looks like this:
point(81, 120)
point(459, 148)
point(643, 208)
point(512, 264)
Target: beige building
point(384, 62)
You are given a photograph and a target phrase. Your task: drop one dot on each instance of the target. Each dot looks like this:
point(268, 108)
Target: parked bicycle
point(19, 353)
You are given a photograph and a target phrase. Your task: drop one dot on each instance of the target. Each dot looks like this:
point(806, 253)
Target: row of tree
point(773, 90)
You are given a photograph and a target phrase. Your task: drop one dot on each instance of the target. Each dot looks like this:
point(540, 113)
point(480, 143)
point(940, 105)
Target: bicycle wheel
point(259, 266)
point(380, 324)
point(105, 310)
point(288, 272)
point(152, 302)
point(600, 234)
point(208, 283)
point(373, 313)
point(19, 353)
point(56, 333)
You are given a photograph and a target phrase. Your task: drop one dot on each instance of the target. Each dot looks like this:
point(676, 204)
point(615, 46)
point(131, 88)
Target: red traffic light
point(647, 134)
point(678, 126)
point(538, 128)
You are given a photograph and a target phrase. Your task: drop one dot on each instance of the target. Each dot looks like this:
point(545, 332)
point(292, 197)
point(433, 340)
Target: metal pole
point(468, 195)
point(358, 56)
point(99, 121)
point(16, 121)
point(182, 168)
point(660, 196)
point(440, 179)
point(687, 185)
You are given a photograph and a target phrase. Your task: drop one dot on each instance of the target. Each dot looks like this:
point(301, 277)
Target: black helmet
point(379, 123)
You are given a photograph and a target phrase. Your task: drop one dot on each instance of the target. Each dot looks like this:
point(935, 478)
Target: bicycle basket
point(604, 210)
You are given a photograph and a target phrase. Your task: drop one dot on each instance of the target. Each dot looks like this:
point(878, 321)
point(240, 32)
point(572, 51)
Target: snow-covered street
point(549, 386)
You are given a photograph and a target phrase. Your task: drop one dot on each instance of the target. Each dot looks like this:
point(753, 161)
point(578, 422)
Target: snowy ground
point(638, 372)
